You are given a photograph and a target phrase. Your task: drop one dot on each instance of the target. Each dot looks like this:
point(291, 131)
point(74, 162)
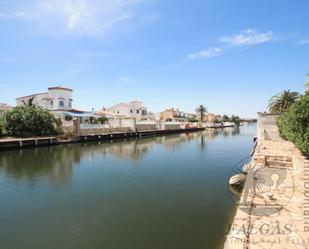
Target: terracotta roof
point(60, 88)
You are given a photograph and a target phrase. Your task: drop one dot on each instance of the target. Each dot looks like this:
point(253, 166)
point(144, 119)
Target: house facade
point(4, 108)
point(56, 99)
point(210, 117)
point(173, 115)
point(133, 109)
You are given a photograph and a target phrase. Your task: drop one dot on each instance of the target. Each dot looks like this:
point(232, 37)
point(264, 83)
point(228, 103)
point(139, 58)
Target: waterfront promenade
point(272, 215)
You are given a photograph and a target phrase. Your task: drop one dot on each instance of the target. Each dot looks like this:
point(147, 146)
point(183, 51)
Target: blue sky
point(230, 55)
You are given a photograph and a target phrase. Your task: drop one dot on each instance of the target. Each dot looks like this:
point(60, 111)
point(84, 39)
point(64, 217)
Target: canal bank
point(15, 143)
point(273, 206)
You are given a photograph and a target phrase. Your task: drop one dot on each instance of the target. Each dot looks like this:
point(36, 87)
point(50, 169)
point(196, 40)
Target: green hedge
point(1, 127)
point(29, 121)
point(294, 124)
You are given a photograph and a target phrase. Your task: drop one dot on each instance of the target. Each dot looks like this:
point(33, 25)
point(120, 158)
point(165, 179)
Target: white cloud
point(124, 80)
point(207, 53)
point(248, 37)
point(244, 38)
point(82, 17)
point(303, 42)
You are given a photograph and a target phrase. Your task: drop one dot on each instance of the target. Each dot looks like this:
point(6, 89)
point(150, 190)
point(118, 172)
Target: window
point(61, 103)
point(70, 104)
point(131, 111)
point(137, 111)
point(51, 102)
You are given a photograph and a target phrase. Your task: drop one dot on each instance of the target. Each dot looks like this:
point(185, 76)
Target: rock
point(246, 168)
point(237, 180)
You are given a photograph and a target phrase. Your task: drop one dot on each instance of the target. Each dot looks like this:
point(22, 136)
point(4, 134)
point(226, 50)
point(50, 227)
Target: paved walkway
point(272, 211)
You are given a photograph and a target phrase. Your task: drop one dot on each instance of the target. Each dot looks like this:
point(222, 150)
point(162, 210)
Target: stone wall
point(146, 127)
point(99, 131)
point(267, 128)
point(172, 126)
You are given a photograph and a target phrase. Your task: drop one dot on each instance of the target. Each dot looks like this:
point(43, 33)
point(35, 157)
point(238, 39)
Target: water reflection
point(57, 163)
point(92, 195)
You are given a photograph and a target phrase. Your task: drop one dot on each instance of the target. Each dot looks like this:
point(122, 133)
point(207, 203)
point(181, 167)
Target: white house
point(4, 108)
point(56, 99)
point(133, 109)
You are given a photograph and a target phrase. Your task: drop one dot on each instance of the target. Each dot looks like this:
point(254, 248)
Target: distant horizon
point(230, 56)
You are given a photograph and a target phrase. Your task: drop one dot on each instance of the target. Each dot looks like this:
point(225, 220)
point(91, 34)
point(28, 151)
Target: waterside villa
point(133, 109)
point(174, 115)
point(209, 117)
point(58, 100)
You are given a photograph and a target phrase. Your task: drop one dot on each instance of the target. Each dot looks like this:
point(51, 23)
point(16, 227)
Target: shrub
point(294, 124)
point(29, 120)
point(102, 120)
point(1, 127)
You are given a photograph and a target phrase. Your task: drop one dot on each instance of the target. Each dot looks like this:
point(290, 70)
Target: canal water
point(153, 193)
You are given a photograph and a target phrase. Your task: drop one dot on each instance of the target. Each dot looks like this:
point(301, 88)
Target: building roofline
point(60, 88)
point(31, 95)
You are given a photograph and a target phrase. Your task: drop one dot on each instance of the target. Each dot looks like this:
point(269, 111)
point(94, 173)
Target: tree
point(236, 120)
point(102, 120)
point(201, 110)
point(294, 124)
point(29, 120)
point(29, 102)
point(225, 118)
point(282, 101)
point(193, 118)
point(1, 126)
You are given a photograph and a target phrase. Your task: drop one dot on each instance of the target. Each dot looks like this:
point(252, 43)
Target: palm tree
point(282, 101)
point(201, 109)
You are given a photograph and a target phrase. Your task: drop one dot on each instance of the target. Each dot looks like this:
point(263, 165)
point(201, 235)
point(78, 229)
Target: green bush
point(1, 127)
point(294, 124)
point(102, 120)
point(28, 121)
